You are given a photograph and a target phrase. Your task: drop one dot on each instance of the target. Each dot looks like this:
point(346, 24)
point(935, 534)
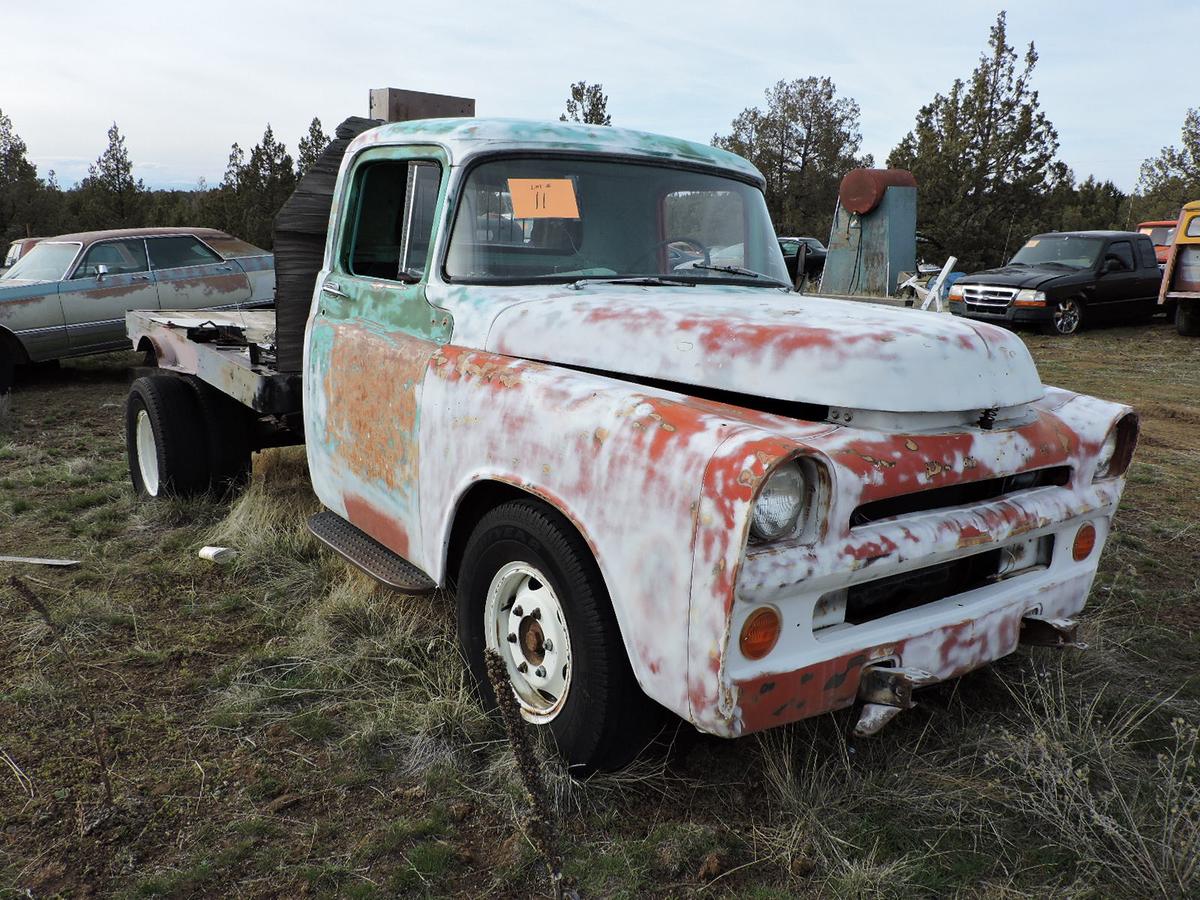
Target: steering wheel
point(704, 250)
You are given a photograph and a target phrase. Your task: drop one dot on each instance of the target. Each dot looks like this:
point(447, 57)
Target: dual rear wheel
point(184, 438)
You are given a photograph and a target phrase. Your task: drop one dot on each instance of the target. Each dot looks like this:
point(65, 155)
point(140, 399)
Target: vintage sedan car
point(68, 295)
point(16, 250)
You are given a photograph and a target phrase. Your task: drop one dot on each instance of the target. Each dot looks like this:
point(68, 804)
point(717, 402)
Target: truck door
point(371, 337)
point(191, 276)
point(1118, 281)
point(112, 278)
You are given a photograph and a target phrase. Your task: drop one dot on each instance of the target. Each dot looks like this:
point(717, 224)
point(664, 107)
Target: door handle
point(141, 277)
point(334, 290)
point(224, 268)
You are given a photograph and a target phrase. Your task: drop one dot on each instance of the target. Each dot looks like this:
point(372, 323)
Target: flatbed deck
point(232, 350)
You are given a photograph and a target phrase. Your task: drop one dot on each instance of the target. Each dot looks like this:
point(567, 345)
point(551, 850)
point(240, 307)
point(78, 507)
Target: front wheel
point(1066, 317)
point(530, 590)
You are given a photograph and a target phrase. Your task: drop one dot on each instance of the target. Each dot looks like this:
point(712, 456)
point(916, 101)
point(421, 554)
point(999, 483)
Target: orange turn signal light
point(760, 632)
point(1085, 542)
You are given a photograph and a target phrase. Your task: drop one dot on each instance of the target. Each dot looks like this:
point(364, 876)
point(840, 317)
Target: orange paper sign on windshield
point(543, 198)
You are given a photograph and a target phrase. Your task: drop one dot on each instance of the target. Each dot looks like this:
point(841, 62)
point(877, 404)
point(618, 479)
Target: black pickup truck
point(1060, 280)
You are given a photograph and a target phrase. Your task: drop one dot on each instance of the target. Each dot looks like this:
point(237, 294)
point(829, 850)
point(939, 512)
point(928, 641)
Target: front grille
point(986, 298)
point(959, 494)
point(875, 599)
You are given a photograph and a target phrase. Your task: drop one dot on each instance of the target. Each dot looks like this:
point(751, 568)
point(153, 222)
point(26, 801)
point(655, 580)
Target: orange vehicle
point(1181, 279)
point(1161, 233)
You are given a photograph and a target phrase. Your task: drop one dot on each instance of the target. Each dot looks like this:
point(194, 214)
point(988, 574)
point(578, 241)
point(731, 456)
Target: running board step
point(359, 548)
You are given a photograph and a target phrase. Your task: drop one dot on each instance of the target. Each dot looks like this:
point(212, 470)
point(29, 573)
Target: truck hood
point(773, 344)
point(1021, 276)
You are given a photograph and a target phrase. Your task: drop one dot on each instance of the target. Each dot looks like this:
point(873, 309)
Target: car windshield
point(813, 243)
point(45, 262)
point(1161, 235)
point(1064, 249)
point(523, 221)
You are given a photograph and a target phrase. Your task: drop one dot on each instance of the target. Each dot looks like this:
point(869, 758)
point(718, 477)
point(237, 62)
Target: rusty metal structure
point(930, 530)
point(874, 234)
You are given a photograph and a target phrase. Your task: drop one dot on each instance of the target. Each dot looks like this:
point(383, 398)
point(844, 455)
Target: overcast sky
point(184, 81)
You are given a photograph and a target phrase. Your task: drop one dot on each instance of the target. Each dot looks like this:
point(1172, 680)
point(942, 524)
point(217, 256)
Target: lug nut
point(537, 613)
point(523, 668)
point(549, 645)
point(541, 672)
point(512, 637)
point(517, 611)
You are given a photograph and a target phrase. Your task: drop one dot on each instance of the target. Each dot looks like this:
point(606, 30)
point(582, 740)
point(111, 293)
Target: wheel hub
point(526, 624)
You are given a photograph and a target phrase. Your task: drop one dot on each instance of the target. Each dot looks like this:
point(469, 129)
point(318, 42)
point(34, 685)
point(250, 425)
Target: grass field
point(281, 726)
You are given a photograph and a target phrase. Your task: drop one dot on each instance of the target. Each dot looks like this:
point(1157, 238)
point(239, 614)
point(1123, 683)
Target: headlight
point(1029, 297)
point(956, 292)
point(779, 504)
point(1117, 450)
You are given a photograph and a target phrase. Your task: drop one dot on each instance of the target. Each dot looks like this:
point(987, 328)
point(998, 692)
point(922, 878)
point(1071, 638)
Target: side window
point(1122, 251)
point(389, 231)
point(1193, 227)
point(120, 257)
point(1146, 250)
point(714, 219)
point(178, 252)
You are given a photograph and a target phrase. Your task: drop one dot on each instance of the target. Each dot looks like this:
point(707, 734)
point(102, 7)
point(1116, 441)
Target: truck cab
point(657, 480)
point(1061, 280)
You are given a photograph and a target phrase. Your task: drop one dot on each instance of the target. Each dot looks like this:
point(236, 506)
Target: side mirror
point(101, 271)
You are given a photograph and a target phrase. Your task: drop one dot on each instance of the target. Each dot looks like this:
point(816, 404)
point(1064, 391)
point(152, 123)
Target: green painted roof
point(464, 137)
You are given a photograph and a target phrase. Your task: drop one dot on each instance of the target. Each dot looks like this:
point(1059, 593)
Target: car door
point(371, 340)
point(111, 278)
point(190, 275)
point(1117, 281)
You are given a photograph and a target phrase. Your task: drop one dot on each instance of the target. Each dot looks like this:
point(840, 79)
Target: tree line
point(253, 188)
point(984, 154)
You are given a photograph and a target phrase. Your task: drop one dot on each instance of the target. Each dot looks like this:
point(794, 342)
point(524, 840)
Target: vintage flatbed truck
point(654, 480)
point(1181, 277)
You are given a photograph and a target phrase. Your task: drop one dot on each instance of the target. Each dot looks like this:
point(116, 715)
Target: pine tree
point(804, 142)
point(110, 197)
point(587, 104)
point(20, 189)
point(984, 158)
point(1172, 178)
point(310, 147)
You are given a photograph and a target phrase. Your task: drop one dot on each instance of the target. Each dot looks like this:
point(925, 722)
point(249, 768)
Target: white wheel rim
point(524, 622)
point(147, 453)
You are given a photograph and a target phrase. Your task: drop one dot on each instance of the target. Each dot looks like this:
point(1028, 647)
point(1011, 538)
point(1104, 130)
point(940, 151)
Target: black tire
point(1187, 322)
point(604, 719)
point(8, 369)
point(12, 354)
point(1067, 317)
point(175, 443)
point(227, 436)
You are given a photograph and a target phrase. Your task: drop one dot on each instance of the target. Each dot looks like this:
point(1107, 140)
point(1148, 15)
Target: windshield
point(813, 243)
point(523, 221)
point(45, 262)
point(1161, 235)
point(1066, 249)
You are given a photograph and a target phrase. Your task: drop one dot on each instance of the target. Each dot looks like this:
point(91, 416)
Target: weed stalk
point(89, 707)
point(542, 821)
